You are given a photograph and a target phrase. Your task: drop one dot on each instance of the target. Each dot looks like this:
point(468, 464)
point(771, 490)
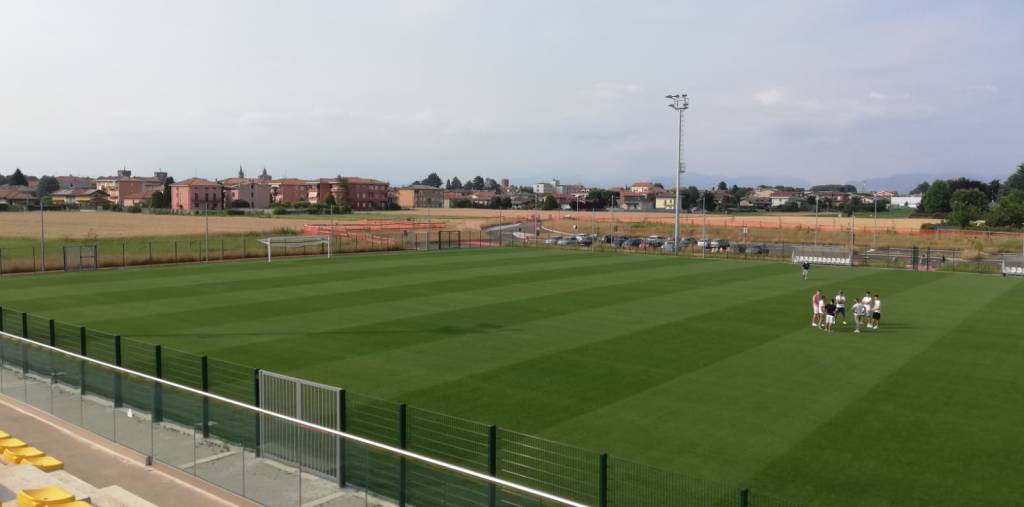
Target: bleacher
point(30, 477)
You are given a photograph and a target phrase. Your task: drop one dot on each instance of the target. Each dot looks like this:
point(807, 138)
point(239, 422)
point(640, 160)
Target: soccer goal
point(831, 255)
point(80, 258)
point(291, 243)
point(1013, 265)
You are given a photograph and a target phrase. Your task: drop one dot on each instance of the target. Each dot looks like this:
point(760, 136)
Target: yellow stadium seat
point(45, 463)
point(15, 455)
point(4, 435)
point(11, 442)
point(52, 495)
point(76, 503)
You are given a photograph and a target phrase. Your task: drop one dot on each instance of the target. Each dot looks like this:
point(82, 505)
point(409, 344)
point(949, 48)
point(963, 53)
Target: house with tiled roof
point(196, 194)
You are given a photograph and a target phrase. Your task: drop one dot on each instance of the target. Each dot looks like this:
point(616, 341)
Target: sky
point(787, 91)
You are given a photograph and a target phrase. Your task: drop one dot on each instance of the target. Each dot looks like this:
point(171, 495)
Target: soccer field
point(708, 368)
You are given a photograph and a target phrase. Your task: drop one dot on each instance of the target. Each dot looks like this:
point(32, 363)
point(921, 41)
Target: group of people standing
point(867, 311)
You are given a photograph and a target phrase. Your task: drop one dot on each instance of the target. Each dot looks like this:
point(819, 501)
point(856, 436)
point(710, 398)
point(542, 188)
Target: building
point(76, 182)
point(363, 193)
point(420, 196)
point(481, 198)
point(141, 199)
point(9, 196)
point(636, 201)
point(782, 198)
point(196, 194)
point(905, 201)
point(317, 190)
point(80, 197)
point(665, 202)
point(641, 186)
point(289, 190)
point(253, 192)
point(126, 184)
point(545, 187)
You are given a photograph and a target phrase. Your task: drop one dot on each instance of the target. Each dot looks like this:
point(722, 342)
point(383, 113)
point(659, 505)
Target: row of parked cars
point(715, 245)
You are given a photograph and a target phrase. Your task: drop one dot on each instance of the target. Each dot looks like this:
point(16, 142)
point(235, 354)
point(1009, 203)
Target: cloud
point(771, 97)
point(612, 90)
point(984, 88)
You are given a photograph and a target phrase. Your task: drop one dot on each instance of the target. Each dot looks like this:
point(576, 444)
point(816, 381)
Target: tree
point(47, 185)
point(959, 183)
point(3, 179)
point(550, 203)
point(456, 183)
point(970, 197)
point(166, 201)
point(1008, 212)
point(491, 185)
point(658, 185)
point(343, 199)
point(936, 200)
point(478, 183)
point(330, 200)
point(722, 186)
point(995, 189)
point(18, 178)
point(921, 188)
point(433, 180)
point(1014, 182)
point(447, 184)
point(156, 200)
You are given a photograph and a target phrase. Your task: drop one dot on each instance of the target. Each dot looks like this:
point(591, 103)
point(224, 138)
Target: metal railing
point(70, 387)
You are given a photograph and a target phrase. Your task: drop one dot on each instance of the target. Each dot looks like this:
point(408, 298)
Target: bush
point(279, 210)
point(235, 212)
point(134, 209)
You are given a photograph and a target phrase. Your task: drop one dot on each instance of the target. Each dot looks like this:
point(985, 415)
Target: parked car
point(737, 248)
point(585, 241)
point(704, 243)
point(758, 250)
point(719, 244)
point(553, 240)
point(568, 241)
point(633, 243)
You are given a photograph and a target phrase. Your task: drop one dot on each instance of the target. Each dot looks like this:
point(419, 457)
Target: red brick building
point(196, 194)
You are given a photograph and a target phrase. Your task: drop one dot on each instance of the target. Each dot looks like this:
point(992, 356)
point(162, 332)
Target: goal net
point(80, 258)
point(832, 255)
point(291, 243)
point(1013, 265)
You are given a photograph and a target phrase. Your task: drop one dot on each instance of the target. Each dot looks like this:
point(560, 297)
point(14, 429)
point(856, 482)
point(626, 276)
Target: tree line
point(963, 200)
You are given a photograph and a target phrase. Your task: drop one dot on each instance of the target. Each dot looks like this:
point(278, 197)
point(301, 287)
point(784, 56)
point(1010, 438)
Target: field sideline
point(703, 367)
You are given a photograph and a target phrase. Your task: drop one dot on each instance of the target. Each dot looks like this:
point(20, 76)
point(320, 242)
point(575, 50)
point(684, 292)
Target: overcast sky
point(816, 91)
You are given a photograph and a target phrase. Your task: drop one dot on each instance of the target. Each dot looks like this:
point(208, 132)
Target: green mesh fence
point(377, 419)
point(457, 441)
point(68, 337)
point(38, 329)
point(635, 484)
point(549, 466)
point(236, 382)
point(10, 321)
point(138, 356)
point(100, 345)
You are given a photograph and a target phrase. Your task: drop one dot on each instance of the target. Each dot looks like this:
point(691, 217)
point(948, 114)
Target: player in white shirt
point(859, 313)
point(876, 312)
point(821, 313)
point(815, 308)
point(841, 306)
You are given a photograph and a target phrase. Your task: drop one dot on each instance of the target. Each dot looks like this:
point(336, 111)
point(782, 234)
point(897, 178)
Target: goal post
point(292, 242)
point(828, 255)
point(1013, 265)
point(80, 258)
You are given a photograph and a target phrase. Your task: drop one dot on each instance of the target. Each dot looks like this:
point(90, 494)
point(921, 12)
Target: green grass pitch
point(705, 367)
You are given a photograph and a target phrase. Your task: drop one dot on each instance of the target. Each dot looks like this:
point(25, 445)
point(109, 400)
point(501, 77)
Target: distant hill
point(906, 182)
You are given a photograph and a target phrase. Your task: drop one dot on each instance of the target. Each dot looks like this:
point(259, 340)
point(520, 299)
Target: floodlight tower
point(680, 102)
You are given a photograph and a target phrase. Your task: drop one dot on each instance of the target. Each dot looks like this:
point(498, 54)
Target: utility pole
point(815, 220)
point(206, 238)
point(704, 226)
point(680, 103)
point(42, 232)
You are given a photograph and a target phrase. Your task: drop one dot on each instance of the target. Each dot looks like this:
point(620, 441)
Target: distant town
point(125, 191)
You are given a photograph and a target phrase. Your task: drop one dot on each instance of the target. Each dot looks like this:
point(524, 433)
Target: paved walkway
point(102, 463)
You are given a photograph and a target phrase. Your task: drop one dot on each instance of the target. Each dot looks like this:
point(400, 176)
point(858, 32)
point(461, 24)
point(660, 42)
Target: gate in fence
point(449, 239)
point(320, 404)
point(80, 258)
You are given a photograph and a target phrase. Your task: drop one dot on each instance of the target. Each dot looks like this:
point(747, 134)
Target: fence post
point(34, 259)
point(81, 364)
point(492, 462)
point(24, 325)
point(222, 249)
point(150, 245)
point(402, 441)
point(1, 318)
point(175, 251)
point(602, 480)
point(342, 443)
point(124, 256)
point(259, 417)
point(158, 392)
point(118, 394)
point(53, 334)
point(205, 364)
point(744, 497)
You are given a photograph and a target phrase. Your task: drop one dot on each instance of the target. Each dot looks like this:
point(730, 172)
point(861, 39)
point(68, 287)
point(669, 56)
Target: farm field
point(702, 367)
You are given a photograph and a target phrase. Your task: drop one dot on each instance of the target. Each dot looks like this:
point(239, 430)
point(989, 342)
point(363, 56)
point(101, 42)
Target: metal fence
point(41, 375)
point(581, 475)
point(137, 252)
